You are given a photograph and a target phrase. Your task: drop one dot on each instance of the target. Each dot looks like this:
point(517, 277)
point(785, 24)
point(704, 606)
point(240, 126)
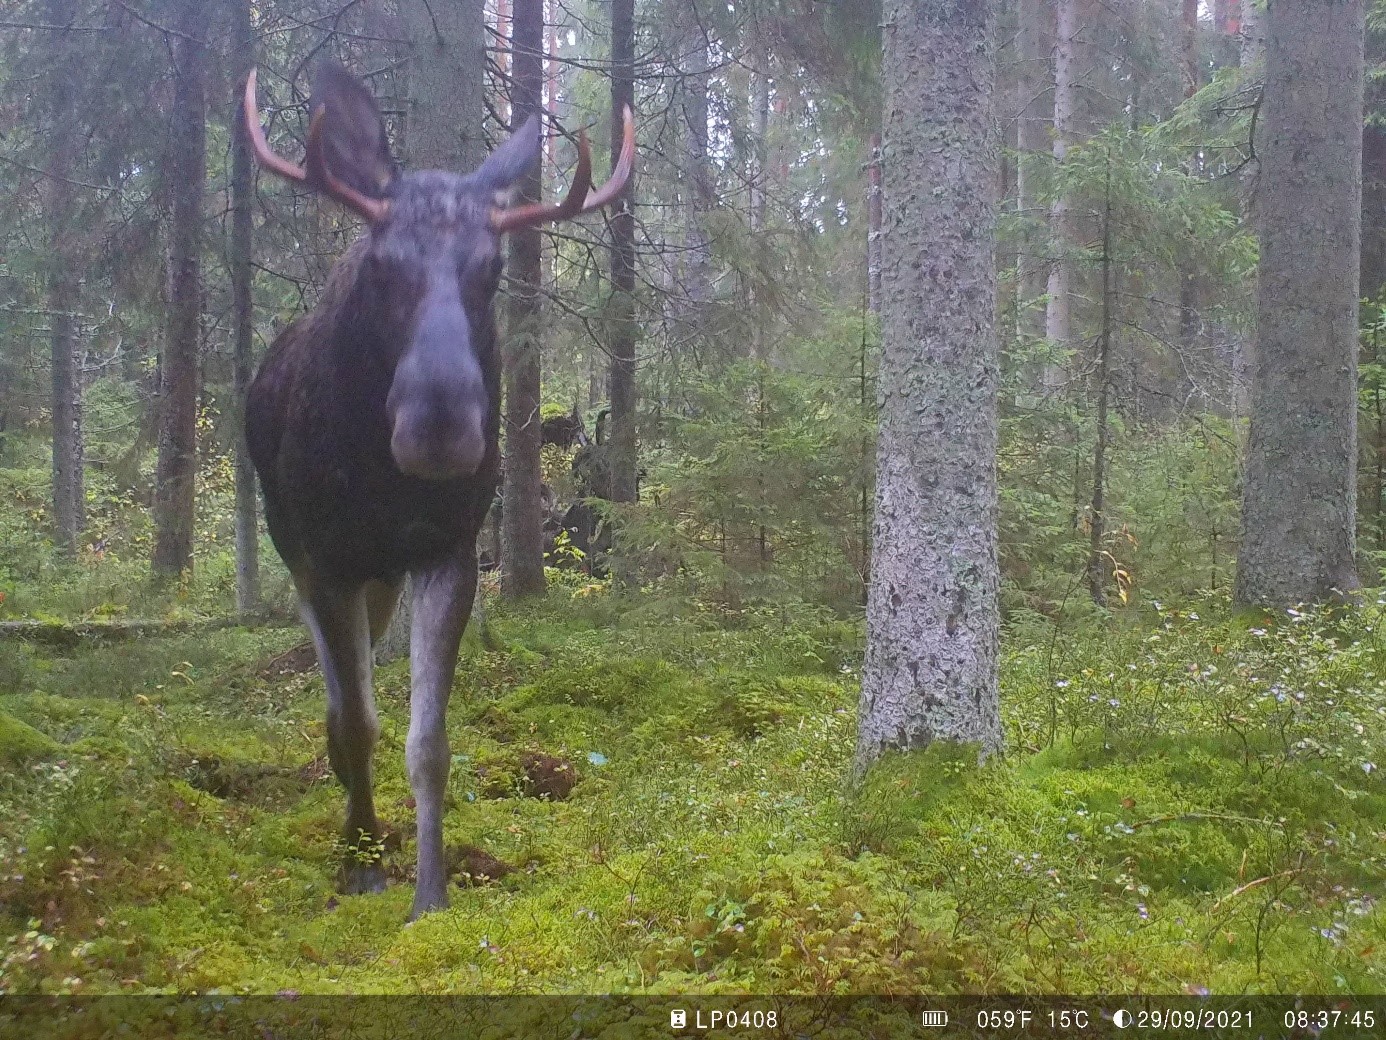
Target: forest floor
point(647, 797)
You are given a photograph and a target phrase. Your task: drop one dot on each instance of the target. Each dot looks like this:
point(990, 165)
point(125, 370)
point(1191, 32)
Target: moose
point(374, 423)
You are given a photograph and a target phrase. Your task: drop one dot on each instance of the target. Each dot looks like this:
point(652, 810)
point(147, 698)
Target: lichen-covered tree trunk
point(695, 176)
point(1190, 316)
point(443, 132)
point(446, 82)
point(1097, 532)
point(931, 656)
point(1058, 315)
point(64, 289)
point(242, 309)
point(755, 179)
point(1299, 497)
point(1253, 31)
point(1252, 53)
point(1033, 89)
point(874, 215)
point(522, 522)
point(1226, 45)
point(176, 472)
point(621, 312)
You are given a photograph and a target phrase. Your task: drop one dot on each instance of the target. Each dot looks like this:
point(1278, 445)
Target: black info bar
point(291, 1016)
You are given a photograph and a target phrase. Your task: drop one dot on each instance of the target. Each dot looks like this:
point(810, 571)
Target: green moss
point(20, 742)
point(1186, 822)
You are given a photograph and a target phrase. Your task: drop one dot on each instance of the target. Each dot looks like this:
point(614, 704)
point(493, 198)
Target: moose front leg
point(442, 604)
point(336, 616)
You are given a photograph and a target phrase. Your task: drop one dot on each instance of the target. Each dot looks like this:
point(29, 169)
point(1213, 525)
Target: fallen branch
point(68, 634)
point(1255, 884)
point(1185, 817)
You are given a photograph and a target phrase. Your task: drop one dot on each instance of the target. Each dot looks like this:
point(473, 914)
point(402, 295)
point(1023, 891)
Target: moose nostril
point(437, 448)
point(466, 452)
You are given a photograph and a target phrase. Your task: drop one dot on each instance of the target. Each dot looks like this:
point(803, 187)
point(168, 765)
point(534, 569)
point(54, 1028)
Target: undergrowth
point(651, 797)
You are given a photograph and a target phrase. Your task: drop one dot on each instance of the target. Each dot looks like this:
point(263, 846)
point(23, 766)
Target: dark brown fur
point(319, 436)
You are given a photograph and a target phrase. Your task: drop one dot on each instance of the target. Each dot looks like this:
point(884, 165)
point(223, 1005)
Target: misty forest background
point(656, 719)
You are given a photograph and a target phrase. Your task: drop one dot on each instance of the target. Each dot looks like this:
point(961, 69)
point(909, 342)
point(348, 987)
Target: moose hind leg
point(336, 616)
point(442, 603)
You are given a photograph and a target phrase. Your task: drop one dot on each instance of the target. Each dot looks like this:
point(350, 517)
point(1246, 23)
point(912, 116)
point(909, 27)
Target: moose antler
point(316, 174)
point(580, 198)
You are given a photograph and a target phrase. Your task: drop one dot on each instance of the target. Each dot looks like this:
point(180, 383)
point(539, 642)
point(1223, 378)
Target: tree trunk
point(446, 80)
point(1193, 73)
point(1373, 211)
point(1032, 138)
point(1299, 497)
point(697, 188)
point(64, 289)
point(243, 310)
point(1058, 315)
point(932, 625)
point(1097, 567)
point(1189, 317)
point(176, 471)
point(551, 78)
point(1225, 29)
point(873, 227)
point(1374, 179)
point(444, 132)
point(1244, 358)
point(621, 307)
point(760, 127)
point(1253, 32)
point(522, 519)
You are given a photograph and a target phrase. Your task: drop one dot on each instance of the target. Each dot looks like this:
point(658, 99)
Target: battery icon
point(933, 1018)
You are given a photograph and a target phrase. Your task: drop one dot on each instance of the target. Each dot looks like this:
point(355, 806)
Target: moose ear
point(354, 147)
point(504, 167)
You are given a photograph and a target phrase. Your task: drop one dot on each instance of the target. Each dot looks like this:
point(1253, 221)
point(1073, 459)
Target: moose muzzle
point(438, 402)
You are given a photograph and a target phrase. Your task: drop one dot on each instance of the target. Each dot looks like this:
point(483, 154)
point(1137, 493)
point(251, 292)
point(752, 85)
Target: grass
point(1187, 803)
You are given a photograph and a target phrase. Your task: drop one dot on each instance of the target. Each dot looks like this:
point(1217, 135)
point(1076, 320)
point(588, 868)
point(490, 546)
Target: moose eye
point(392, 274)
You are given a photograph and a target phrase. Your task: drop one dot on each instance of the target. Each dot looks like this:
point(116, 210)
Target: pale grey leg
point(336, 616)
point(442, 604)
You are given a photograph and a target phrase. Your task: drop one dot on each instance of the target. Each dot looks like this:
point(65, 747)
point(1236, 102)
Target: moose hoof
point(360, 878)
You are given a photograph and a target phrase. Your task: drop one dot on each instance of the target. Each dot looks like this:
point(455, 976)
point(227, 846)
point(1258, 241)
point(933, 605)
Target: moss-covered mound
point(645, 800)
